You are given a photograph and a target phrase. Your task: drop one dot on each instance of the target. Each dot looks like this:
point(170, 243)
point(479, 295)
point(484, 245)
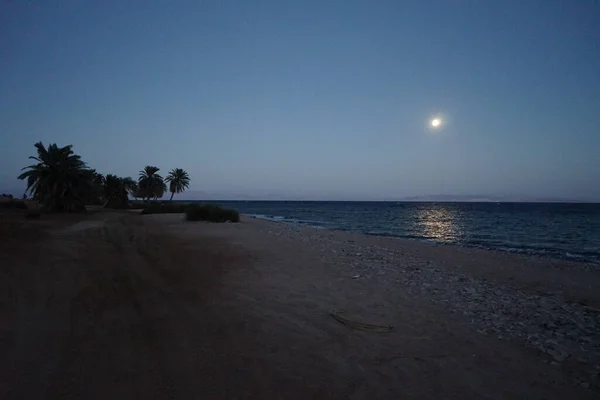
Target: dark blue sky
point(311, 99)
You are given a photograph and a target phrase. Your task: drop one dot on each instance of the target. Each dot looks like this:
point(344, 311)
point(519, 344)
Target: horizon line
point(399, 201)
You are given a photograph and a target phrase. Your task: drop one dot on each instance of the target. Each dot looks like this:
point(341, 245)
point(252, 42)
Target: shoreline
point(546, 305)
point(575, 262)
point(542, 303)
point(568, 277)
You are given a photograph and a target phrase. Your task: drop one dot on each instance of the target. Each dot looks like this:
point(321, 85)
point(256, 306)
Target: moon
point(436, 122)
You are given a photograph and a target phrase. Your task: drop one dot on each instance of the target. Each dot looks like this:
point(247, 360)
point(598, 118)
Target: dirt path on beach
point(118, 306)
point(107, 308)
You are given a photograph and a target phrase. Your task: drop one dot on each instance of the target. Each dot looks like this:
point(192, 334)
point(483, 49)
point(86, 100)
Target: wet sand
point(118, 305)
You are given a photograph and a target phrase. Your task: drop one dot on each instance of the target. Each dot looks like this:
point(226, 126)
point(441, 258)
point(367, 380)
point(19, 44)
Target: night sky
point(311, 99)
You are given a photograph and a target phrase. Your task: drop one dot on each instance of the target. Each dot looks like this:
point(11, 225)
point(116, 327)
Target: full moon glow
point(436, 122)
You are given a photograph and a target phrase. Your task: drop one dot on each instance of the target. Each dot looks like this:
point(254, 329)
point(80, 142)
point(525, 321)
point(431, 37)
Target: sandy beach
point(119, 305)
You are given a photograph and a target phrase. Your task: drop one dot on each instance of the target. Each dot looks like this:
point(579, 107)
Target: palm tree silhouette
point(178, 180)
point(60, 180)
point(151, 184)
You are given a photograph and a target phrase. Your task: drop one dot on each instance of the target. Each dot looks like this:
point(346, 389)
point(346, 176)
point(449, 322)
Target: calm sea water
point(569, 231)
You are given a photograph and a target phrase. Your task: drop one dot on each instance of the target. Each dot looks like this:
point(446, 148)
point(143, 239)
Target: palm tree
point(96, 195)
point(130, 185)
point(115, 192)
point(151, 184)
point(160, 190)
point(60, 180)
point(97, 178)
point(178, 180)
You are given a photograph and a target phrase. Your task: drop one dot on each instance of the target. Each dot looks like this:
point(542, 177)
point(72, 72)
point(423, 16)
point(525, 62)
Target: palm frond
point(60, 179)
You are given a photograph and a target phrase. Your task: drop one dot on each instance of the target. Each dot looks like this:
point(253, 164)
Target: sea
point(559, 230)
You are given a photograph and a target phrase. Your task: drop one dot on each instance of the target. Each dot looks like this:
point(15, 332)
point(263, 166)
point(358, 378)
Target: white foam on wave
point(279, 218)
point(576, 256)
point(317, 227)
point(274, 218)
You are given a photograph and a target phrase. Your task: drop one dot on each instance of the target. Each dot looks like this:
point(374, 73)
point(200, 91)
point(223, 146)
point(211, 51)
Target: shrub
point(210, 212)
point(15, 204)
point(165, 208)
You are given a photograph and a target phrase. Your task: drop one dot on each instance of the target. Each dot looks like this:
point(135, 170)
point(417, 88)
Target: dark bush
point(165, 208)
point(211, 212)
point(15, 204)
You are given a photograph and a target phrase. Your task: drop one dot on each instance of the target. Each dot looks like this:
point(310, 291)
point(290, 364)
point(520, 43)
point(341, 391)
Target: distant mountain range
point(199, 195)
point(483, 198)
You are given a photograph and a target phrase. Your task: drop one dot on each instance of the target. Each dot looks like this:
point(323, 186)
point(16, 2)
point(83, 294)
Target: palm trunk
point(107, 201)
point(172, 194)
